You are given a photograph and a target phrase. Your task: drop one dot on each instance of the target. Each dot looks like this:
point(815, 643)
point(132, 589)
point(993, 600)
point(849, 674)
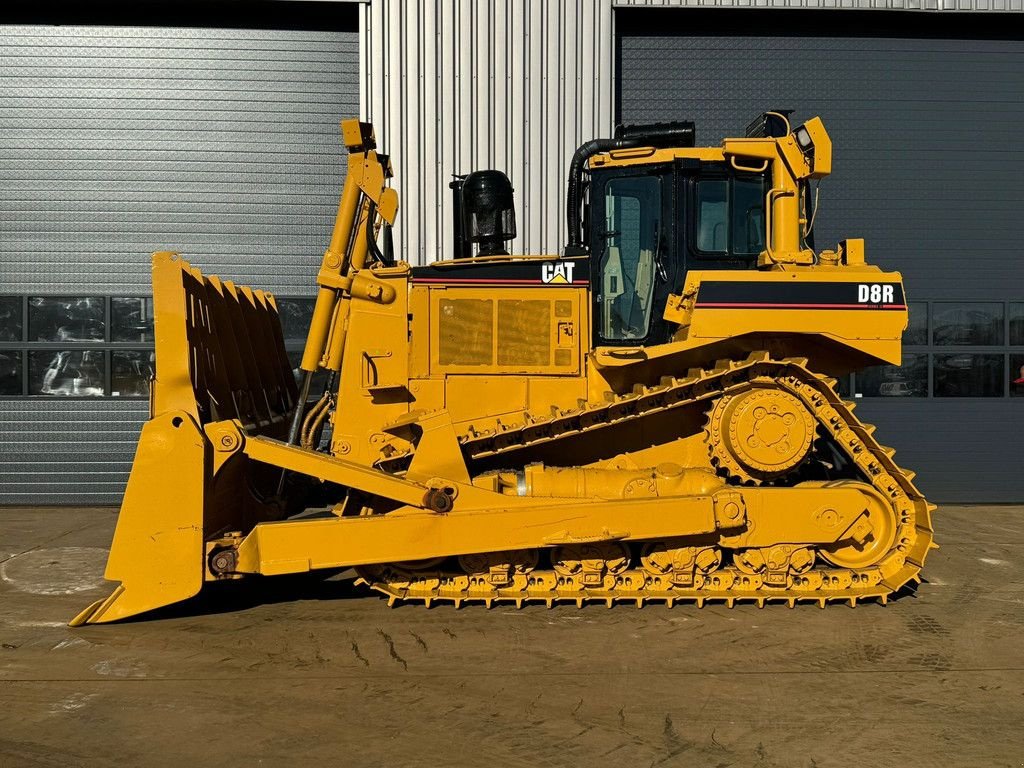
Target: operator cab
point(644, 223)
point(649, 224)
point(644, 208)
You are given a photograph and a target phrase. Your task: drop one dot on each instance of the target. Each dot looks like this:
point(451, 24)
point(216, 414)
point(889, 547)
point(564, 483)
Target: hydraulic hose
point(308, 424)
point(371, 241)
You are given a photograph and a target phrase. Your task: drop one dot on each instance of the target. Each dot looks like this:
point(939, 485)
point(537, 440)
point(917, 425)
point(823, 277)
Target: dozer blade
point(157, 552)
point(220, 357)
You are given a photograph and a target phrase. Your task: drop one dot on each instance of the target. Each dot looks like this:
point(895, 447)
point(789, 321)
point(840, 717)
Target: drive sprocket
point(759, 434)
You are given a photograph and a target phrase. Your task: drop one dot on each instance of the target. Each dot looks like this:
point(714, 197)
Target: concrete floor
point(303, 671)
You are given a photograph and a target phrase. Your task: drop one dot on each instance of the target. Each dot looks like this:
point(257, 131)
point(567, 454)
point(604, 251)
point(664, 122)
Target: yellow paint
point(478, 427)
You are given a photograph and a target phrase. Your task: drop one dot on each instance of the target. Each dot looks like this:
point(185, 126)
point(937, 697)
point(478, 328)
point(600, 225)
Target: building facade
point(194, 130)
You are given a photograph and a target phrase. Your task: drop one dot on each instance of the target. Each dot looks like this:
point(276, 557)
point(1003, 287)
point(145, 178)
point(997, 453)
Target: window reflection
point(65, 318)
point(10, 372)
point(730, 216)
point(1017, 322)
point(296, 315)
point(78, 373)
point(131, 319)
point(968, 375)
point(907, 380)
point(633, 211)
point(1017, 375)
point(130, 372)
point(917, 326)
point(748, 216)
point(972, 324)
point(713, 216)
point(91, 365)
point(10, 318)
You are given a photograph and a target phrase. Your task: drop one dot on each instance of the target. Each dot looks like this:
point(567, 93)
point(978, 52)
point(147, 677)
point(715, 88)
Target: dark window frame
point(106, 347)
point(722, 172)
point(931, 350)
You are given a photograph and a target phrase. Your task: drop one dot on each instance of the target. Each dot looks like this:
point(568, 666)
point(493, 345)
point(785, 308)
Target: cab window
point(632, 208)
point(730, 217)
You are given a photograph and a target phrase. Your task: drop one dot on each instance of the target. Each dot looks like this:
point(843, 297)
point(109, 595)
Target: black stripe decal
point(761, 294)
point(513, 271)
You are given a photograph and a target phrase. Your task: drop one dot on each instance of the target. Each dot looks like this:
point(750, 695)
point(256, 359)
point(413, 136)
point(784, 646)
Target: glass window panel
point(713, 216)
point(968, 375)
point(1017, 375)
point(917, 325)
point(131, 319)
point(633, 209)
point(748, 216)
point(10, 372)
point(79, 372)
point(970, 324)
point(10, 318)
point(907, 380)
point(65, 318)
point(296, 315)
point(319, 378)
point(1017, 322)
point(130, 372)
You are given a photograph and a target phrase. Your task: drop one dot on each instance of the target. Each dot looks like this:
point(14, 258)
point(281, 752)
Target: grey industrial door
point(222, 144)
point(928, 168)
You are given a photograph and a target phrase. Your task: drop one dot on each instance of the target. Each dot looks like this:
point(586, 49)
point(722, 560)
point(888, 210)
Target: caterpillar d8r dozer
point(648, 416)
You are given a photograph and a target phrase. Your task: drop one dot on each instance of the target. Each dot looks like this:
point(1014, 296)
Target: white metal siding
point(517, 85)
point(457, 86)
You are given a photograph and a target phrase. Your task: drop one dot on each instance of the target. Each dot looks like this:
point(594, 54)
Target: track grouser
point(651, 415)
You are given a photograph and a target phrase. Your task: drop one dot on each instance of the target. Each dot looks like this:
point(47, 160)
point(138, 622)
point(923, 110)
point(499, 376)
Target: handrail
point(770, 211)
point(746, 169)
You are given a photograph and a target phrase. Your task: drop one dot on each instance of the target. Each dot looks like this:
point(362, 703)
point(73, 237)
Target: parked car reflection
point(968, 375)
point(907, 380)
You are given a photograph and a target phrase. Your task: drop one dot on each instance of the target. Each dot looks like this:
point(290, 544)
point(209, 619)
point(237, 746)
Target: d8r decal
point(875, 293)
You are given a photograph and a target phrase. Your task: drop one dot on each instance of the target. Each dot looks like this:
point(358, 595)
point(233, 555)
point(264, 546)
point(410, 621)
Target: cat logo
point(557, 272)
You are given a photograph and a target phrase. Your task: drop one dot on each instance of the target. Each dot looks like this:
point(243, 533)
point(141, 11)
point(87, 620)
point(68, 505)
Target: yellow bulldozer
point(650, 415)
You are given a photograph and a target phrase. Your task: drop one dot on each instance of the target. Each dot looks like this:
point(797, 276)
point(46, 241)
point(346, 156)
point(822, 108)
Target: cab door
point(633, 230)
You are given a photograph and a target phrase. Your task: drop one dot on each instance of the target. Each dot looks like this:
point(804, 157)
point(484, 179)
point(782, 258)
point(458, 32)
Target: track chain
point(515, 578)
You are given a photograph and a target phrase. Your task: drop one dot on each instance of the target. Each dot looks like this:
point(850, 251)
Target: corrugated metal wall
point(453, 86)
point(220, 143)
point(949, 6)
point(116, 141)
point(67, 451)
point(924, 169)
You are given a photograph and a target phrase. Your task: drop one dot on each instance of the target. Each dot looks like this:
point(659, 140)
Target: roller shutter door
point(222, 144)
point(928, 169)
